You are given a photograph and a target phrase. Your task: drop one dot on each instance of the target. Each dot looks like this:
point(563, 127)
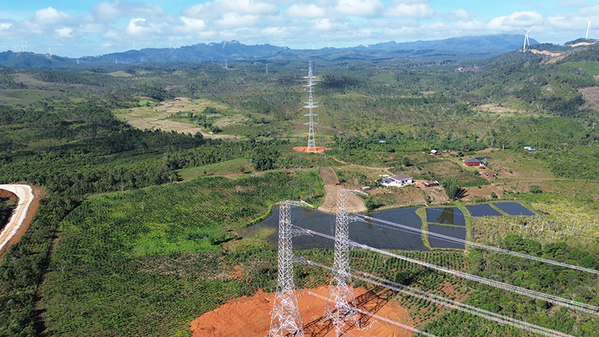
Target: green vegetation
point(451, 187)
point(122, 246)
point(105, 274)
point(5, 210)
point(541, 277)
point(591, 68)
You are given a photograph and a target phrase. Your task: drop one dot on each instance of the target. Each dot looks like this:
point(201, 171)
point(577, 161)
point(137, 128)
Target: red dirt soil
point(319, 149)
point(250, 316)
point(38, 193)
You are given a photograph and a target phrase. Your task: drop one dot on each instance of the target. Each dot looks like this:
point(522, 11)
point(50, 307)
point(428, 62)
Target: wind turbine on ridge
point(526, 40)
point(588, 26)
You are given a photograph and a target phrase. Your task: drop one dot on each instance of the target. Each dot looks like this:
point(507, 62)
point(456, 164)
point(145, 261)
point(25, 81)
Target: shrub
point(536, 189)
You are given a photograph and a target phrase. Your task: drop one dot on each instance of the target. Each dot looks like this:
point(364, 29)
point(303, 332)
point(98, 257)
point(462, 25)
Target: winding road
point(25, 194)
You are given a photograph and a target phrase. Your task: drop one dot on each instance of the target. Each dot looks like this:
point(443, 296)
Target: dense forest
point(124, 245)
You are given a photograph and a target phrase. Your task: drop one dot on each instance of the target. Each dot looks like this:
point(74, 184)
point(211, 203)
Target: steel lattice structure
point(286, 317)
point(341, 303)
point(310, 105)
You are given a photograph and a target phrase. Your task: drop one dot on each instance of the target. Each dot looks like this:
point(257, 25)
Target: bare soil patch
point(591, 98)
point(496, 108)
point(318, 149)
point(328, 176)
point(250, 316)
point(481, 192)
point(331, 188)
point(354, 203)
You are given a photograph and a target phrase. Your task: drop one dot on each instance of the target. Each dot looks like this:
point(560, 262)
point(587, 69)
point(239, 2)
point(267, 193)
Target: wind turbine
point(588, 26)
point(526, 40)
point(50, 49)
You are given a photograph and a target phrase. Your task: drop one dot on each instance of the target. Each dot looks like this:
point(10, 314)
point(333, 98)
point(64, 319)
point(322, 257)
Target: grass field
point(153, 116)
point(591, 68)
point(559, 218)
point(228, 168)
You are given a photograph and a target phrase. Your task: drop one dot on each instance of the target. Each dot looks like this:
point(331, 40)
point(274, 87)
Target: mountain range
point(453, 48)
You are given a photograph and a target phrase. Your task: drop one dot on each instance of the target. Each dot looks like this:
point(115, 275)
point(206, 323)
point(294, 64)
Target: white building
point(398, 180)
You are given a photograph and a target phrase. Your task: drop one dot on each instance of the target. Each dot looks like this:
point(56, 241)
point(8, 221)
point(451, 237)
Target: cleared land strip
point(25, 194)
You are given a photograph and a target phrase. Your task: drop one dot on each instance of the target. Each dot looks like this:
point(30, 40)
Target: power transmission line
point(401, 325)
point(591, 309)
point(475, 244)
point(445, 301)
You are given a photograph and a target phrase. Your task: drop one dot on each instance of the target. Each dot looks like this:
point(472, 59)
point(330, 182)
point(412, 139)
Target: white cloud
point(109, 11)
point(64, 32)
point(49, 16)
point(5, 25)
point(515, 21)
point(325, 25)
point(279, 32)
point(236, 20)
point(306, 11)
point(143, 27)
point(114, 24)
point(459, 15)
point(218, 8)
point(469, 26)
point(410, 8)
point(363, 8)
point(193, 24)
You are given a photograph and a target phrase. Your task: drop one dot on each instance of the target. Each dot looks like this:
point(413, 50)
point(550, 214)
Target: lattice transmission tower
point(310, 105)
point(341, 303)
point(286, 319)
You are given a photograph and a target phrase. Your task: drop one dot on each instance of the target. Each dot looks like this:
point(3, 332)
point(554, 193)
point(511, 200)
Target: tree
point(451, 187)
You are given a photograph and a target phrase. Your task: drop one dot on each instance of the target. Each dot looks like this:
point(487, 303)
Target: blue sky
point(88, 27)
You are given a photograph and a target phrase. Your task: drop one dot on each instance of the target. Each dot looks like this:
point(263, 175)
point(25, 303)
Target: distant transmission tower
point(286, 317)
point(341, 303)
point(310, 105)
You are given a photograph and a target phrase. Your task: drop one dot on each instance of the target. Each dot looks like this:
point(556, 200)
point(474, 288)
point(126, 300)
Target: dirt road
point(25, 194)
point(329, 179)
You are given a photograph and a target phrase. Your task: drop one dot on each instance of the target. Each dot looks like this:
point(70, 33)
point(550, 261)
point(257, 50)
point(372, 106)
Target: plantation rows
point(148, 261)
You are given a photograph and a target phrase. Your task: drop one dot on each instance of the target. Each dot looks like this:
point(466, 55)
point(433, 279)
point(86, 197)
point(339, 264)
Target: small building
point(530, 149)
point(398, 180)
point(435, 152)
point(382, 142)
point(490, 174)
point(474, 162)
point(430, 183)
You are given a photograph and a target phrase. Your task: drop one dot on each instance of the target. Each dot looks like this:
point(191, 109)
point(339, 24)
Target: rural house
point(398, 180)
point(474, 162)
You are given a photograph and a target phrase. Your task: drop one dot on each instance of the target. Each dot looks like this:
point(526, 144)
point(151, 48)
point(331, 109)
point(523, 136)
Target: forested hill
point(454, 48)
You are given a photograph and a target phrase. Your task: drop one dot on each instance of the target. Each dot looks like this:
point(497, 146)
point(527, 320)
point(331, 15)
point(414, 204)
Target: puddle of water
point(446, 215)
point(456, 232)
point(483, 210)
point(513, 208)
